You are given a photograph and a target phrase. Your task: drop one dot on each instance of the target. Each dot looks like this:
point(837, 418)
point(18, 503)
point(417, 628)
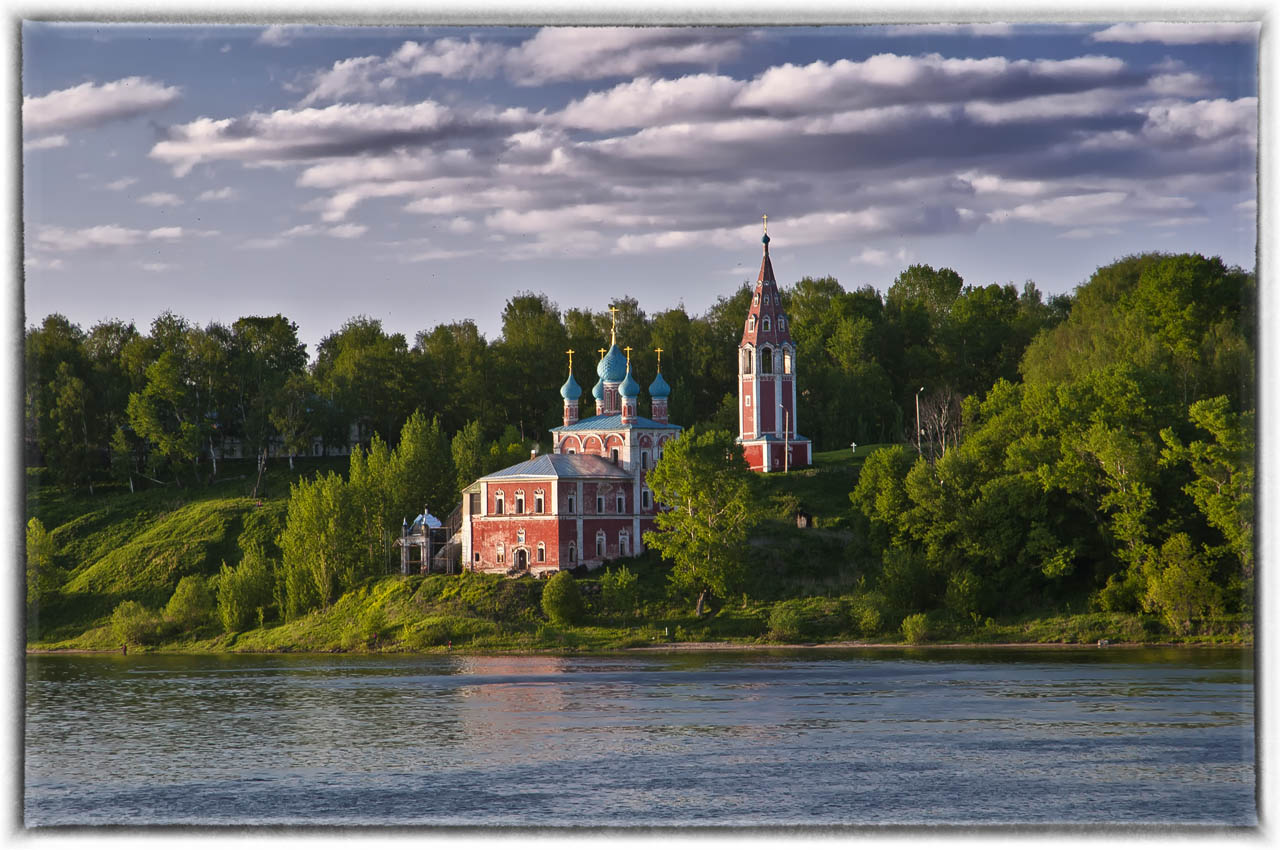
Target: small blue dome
point(613, 366)
point(629, 388)
point(571, 391)
point(659, 388)
point(597, 392)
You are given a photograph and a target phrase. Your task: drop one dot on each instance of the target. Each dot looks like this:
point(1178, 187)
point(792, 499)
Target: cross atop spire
point(570, 353)
point(628, 350)
point(601, 350)
point(613, 332)
point(659, 350)
point(766, 224)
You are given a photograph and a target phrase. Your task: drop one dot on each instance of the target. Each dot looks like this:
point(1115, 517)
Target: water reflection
point(718, 738)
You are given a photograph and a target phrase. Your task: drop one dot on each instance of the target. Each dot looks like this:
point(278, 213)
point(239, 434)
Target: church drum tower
point(767, 426)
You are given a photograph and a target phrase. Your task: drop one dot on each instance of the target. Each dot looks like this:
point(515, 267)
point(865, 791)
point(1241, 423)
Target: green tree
point(366, 374)
point(1179, 586)
point(618, 591)
point(245, 590)
point(291, 414)
point(561, 600)
point(423, 474)
point(323, 544)
point(134, 623)
point(192, 603)
point(705, 486)
point(43, 575)
point(468, 450)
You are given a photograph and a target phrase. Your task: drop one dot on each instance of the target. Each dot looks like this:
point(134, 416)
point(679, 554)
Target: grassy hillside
point(802, 587)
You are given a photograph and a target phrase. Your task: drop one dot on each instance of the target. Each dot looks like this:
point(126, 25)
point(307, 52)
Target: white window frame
point(499, 503)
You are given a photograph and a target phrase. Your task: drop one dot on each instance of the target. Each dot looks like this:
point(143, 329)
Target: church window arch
point(519, 501)
point(502, 553)
point(573, 554)
point(765, 323)
point(620, 503)
point(787, 364)
point(746, 361)
point(542, 552)
point(751, 323)
point(755, 299)
point(624, 543)
point(782, 323)
point(573, 503)
point(539, 501)
point(766, 361)
point(646, 498)
point(497, 503)
point(599, 544)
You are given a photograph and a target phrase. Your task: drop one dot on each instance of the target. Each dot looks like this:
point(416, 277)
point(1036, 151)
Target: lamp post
point(919, 430)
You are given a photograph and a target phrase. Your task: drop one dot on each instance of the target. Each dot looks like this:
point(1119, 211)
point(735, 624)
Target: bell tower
point(767, 427)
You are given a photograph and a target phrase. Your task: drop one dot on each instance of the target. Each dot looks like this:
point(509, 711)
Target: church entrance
point(522, 560)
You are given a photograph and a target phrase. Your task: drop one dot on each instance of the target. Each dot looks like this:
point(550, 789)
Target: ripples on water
point(822, 738)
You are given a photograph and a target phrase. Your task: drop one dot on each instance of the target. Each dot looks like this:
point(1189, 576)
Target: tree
point(468, 450)
point(935, 289)
point(561, 600)
point(245, 591)
point(290, 414)
point(366, 375)
point(192, 603)
point(423, 470)
point(709, 507)
point(323, 543)
point(1179, 586)
point(43, 575)
point(618, 590)
point(134, 623)
point(532, 345)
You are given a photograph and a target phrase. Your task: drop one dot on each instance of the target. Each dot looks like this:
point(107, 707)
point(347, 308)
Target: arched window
point(599, 544)
point(573, 554)
point(765, 320)
point(497, 503)
point(599, 504)
point(614, 454)
point(621, 503)
point(751, 323)
point(782, 323)
point(766, 361)
point(624, 543)
point(644, 458)
point(537, 503)
point(646, 498)
point(755, 299)
point(542, 552)
point(746, 361)
point(572, 503)
point(501, 553)
point(786, 362)
point(519, 501)
point(571, 451)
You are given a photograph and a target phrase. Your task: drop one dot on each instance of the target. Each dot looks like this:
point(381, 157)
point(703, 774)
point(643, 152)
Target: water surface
point(732, 739)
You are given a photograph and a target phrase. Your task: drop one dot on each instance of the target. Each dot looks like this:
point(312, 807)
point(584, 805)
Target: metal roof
point(562, 466)
point(613, 422)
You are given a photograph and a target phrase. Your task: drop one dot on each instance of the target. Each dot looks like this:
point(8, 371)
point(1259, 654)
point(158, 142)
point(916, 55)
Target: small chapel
point(587, 502)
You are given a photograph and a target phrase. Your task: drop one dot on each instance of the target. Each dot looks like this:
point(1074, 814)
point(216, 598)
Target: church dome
point(597, 392)
point(659, 388)
point(613, 366)
point(571, 391)
point(629, 387)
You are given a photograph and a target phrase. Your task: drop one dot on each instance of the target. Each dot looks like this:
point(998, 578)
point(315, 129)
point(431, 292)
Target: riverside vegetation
point(1084, 472)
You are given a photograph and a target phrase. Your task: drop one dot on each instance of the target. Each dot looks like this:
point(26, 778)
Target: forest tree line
point(121, 404)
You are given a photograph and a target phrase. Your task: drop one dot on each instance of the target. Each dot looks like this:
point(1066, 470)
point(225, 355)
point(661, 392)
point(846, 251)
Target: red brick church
point(587, 502)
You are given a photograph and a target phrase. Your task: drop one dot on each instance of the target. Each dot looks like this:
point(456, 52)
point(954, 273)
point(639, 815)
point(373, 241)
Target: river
point(778, 738)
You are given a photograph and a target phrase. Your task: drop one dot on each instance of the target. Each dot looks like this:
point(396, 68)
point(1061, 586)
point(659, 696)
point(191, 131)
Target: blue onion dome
point(659, 388)
point(597, 392)
point(571, 391)
point(629, 387)
point(613, 366)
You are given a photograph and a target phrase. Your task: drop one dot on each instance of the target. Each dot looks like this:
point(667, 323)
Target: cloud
point(226, 193)
point(992, 30)
point(45, 143)
point(646, 101)
point(1179, 33)
point(276, 35)
point(1096, 208)
point(93, 104)
point(40, 263)
point(158, 267)
point(160, 199)
point(1203, 120)
point(102, 236)
point(336, 131)
point(552, 54)
point(872, 256)
point(122, 183)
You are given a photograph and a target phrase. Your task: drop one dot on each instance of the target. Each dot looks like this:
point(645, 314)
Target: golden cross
point(601, 350)
point(659, 350)
point(628, 350)
point(766, 223)
point(570, 353)
point(613, 332)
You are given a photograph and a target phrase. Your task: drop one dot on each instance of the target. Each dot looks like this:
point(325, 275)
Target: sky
point(423, 175)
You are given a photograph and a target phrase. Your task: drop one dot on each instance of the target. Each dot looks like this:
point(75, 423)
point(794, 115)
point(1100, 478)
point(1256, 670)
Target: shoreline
point(689, 646)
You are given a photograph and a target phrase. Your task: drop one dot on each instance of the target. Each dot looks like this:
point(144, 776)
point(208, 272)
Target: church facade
point(585, 503)
point(588, 501)
point(767, 426)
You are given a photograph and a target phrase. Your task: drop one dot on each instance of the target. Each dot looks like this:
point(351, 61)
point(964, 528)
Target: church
point(587, 501)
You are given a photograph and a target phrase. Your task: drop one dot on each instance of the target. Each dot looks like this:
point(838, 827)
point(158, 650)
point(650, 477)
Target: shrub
point(787, 620)
point(244, 590)
point(134, 623)
point(618, 591)
point(561, 601)
point(866, 617)
point(915, 628)
point(192, 603)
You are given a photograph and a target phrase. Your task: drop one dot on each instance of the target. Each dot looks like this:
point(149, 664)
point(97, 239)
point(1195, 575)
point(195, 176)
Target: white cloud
point(872, 256)
point(1048, 107)
point(1095, 209)
point(645, 101)
point(122, 183)
point(158, 267)
point(45, 143)
point(160, 199)
point(41, 263)
point(1250, 207)
point(226, 193)
point(1179, 33)
point(461, 224)
point(101, 236)
point(992, 30)
point(1204, 120)
point(276, 36)
point(347, 231)
point(226, 48)
point(439, 254)
point(91, 104)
